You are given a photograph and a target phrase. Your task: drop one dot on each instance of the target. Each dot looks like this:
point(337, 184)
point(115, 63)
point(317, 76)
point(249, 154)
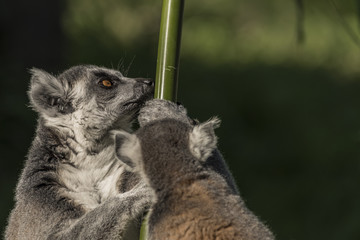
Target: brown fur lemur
point(194, 194)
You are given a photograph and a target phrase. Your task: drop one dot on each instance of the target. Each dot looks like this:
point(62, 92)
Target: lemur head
point(88, 100)
point(167, 149)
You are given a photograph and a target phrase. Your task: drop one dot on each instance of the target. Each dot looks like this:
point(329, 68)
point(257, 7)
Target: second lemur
point(195, 196)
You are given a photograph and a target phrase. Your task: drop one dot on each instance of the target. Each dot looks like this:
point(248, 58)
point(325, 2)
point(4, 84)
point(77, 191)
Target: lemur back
point(193, 191)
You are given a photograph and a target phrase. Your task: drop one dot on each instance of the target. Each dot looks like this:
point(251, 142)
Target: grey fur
point(158, 109)
point(195, 195)
point(72, 185)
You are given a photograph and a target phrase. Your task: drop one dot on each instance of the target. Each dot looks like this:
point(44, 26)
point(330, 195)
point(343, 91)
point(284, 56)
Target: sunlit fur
point(202, 139)
point(72, 185)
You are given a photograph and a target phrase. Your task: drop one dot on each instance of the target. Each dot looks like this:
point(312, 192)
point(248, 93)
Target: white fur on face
point(88, 123)
point(78, 91)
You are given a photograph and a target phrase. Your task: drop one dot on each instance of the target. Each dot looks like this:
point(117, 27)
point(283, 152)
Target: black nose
point(146, 81)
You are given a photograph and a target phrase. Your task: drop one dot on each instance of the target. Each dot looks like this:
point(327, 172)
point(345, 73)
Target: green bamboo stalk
point(167, 68)
point(144, 228)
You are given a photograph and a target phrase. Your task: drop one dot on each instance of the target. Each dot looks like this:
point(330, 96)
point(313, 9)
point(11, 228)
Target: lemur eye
point(106, 83)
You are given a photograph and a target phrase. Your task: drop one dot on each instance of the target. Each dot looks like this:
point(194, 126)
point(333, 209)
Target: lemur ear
point(202, 139)
point(127, 149)
point(48, 95)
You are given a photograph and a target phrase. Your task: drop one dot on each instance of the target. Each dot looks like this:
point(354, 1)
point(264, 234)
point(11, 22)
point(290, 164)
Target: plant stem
point(167, 69)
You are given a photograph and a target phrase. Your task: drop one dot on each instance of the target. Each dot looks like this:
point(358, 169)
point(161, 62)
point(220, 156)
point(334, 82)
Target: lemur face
point(106, 94)
point(110, 90)
point(93, 99)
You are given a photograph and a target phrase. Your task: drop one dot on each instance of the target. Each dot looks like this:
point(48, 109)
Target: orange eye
point(106, 83)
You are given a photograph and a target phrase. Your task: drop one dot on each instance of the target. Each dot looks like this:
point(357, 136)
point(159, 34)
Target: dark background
point(282, 76)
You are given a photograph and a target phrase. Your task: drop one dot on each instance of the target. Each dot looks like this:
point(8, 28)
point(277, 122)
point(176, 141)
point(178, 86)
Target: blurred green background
point(285, 83)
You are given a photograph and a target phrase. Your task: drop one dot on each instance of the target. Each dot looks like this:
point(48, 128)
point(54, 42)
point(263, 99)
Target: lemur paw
point(145, 197)
point(158, 109)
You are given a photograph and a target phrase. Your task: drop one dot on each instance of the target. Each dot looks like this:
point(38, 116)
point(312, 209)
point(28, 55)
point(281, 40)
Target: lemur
point(72, 185)
point(195, 197)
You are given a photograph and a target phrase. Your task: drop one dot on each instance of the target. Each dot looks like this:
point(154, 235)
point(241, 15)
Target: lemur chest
point(90, 180)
